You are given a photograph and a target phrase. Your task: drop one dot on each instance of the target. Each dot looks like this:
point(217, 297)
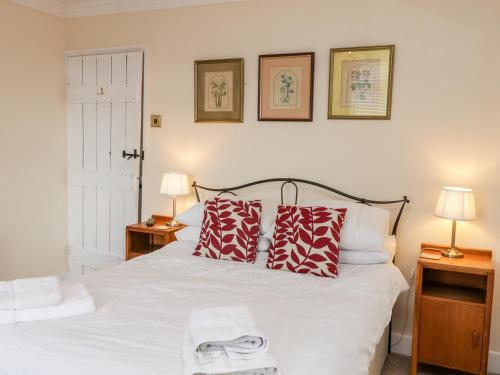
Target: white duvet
point(315, 325)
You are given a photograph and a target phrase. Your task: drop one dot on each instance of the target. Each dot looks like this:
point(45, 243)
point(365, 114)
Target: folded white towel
point(23, 294)
point(76, 301)
point(225, 341)
point(229, 331)
point(223, 365)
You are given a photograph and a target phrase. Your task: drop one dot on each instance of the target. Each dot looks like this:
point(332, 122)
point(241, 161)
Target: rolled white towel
point(34, 292)
point(223, 365)
point(76, 301)
point(229, 331)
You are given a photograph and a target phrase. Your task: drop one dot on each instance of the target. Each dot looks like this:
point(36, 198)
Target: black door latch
point(135, 155)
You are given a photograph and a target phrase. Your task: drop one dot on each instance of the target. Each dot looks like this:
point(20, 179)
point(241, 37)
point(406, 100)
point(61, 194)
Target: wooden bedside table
point(141, 239)
point(453, 300)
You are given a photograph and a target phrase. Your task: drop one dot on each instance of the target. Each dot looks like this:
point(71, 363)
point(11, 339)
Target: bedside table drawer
point(451, 333)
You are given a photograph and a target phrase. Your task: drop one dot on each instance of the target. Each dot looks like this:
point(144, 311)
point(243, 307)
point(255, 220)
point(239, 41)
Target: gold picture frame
point(360, 85)
point(218, 91)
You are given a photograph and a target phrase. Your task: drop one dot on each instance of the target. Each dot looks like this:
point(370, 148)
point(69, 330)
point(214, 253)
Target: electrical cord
point(407, 306)
point(432, 248)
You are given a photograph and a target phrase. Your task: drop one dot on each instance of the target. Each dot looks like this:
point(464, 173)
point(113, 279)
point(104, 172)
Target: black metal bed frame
point(293, 182)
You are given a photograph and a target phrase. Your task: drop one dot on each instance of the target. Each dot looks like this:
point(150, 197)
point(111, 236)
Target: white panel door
point(104, 101)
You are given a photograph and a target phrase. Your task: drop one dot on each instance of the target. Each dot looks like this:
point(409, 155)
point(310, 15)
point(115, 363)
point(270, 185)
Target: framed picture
point(361, 82)
point(286, 84)
point(218, 86)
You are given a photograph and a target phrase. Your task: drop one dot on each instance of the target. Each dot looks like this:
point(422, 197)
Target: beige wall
point(444, 129)
point(445, 123)
point(32, 143)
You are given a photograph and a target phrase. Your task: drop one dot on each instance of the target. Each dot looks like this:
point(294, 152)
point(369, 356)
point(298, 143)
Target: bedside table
point(453, 300)
point(141, 239)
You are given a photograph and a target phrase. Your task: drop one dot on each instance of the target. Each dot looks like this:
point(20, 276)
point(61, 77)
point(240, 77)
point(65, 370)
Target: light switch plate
point(156, 121)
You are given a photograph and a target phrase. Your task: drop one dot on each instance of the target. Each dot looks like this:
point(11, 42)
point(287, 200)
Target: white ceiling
point(81, 8)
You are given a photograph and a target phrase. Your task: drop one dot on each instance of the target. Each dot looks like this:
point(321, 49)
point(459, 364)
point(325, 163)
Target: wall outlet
point(156, 121)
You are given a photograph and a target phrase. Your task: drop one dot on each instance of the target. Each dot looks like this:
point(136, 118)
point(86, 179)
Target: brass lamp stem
point(452, 252)
point(174, 203)
point(173, 222)
point(453, 232)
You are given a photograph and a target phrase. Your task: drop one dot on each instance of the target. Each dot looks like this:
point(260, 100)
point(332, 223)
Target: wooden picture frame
point(286, 87)
point(218, 91)
point(360, 85)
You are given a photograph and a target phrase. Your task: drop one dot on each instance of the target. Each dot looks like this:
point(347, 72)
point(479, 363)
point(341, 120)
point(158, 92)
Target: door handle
point(101, 91)
point(127, 156)
point(475, 339)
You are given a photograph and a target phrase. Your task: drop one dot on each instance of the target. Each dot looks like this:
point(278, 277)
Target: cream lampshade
point(173, 184)
point(455, 203)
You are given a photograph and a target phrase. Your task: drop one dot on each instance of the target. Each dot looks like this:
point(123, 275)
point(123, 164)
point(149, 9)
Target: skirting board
point(404, 347)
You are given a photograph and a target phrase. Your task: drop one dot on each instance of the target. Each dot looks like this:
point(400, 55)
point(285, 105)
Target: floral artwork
point(285, 92)
point(218, 91)
point(286, 87)
point(306, 240)
point(288, 83)
point(230, 230)
point(361, 82)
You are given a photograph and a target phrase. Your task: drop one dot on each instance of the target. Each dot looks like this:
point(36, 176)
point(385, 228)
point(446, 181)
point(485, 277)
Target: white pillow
point(193, 234)
point(194, 215)
point(370, 257)
point(189, 234)
point(268, 216)
point(365, 227)
point(264, 244)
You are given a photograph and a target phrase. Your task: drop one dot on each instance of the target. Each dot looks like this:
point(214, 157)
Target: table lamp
point(455, 203)
point(174, 184)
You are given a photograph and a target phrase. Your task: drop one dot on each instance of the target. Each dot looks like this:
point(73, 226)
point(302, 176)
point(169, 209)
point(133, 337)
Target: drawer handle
point(475, 339)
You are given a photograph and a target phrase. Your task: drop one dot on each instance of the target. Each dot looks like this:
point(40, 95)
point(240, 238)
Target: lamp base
point(452, 253)
point(173, 223)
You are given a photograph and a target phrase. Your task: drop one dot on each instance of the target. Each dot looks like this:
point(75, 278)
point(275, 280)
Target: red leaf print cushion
point(306, 240)
point(230, 230)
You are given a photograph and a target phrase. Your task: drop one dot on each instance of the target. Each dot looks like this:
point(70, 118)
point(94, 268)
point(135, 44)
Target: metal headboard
point(293, 182)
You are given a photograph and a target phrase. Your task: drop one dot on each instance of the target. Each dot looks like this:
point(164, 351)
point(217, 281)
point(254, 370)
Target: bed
point(315, 325)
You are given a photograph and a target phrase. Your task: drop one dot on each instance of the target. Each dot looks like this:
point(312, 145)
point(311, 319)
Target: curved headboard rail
point(293, 181)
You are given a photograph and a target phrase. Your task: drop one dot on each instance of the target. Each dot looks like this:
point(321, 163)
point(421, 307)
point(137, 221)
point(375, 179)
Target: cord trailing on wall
point(411, 283)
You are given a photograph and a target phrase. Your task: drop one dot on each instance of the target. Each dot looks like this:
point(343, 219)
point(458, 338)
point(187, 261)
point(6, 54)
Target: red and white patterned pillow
point(230, 230)
point(306, 240)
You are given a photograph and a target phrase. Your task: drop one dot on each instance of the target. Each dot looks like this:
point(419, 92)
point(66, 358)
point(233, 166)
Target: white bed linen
point(315, 325)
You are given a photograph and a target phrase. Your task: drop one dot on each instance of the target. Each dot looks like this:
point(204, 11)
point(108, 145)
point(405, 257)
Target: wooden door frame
point(144, 103)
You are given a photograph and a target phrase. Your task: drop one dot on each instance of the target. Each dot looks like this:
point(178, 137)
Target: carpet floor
point(397, 364)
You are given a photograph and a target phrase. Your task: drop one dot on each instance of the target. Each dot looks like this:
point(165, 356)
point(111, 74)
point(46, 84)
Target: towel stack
point(225, 340)
point(42, 298)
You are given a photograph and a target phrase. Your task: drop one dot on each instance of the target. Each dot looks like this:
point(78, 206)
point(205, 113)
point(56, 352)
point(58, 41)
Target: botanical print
point(285, 88)
point(218, 91)
point(360, 82)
